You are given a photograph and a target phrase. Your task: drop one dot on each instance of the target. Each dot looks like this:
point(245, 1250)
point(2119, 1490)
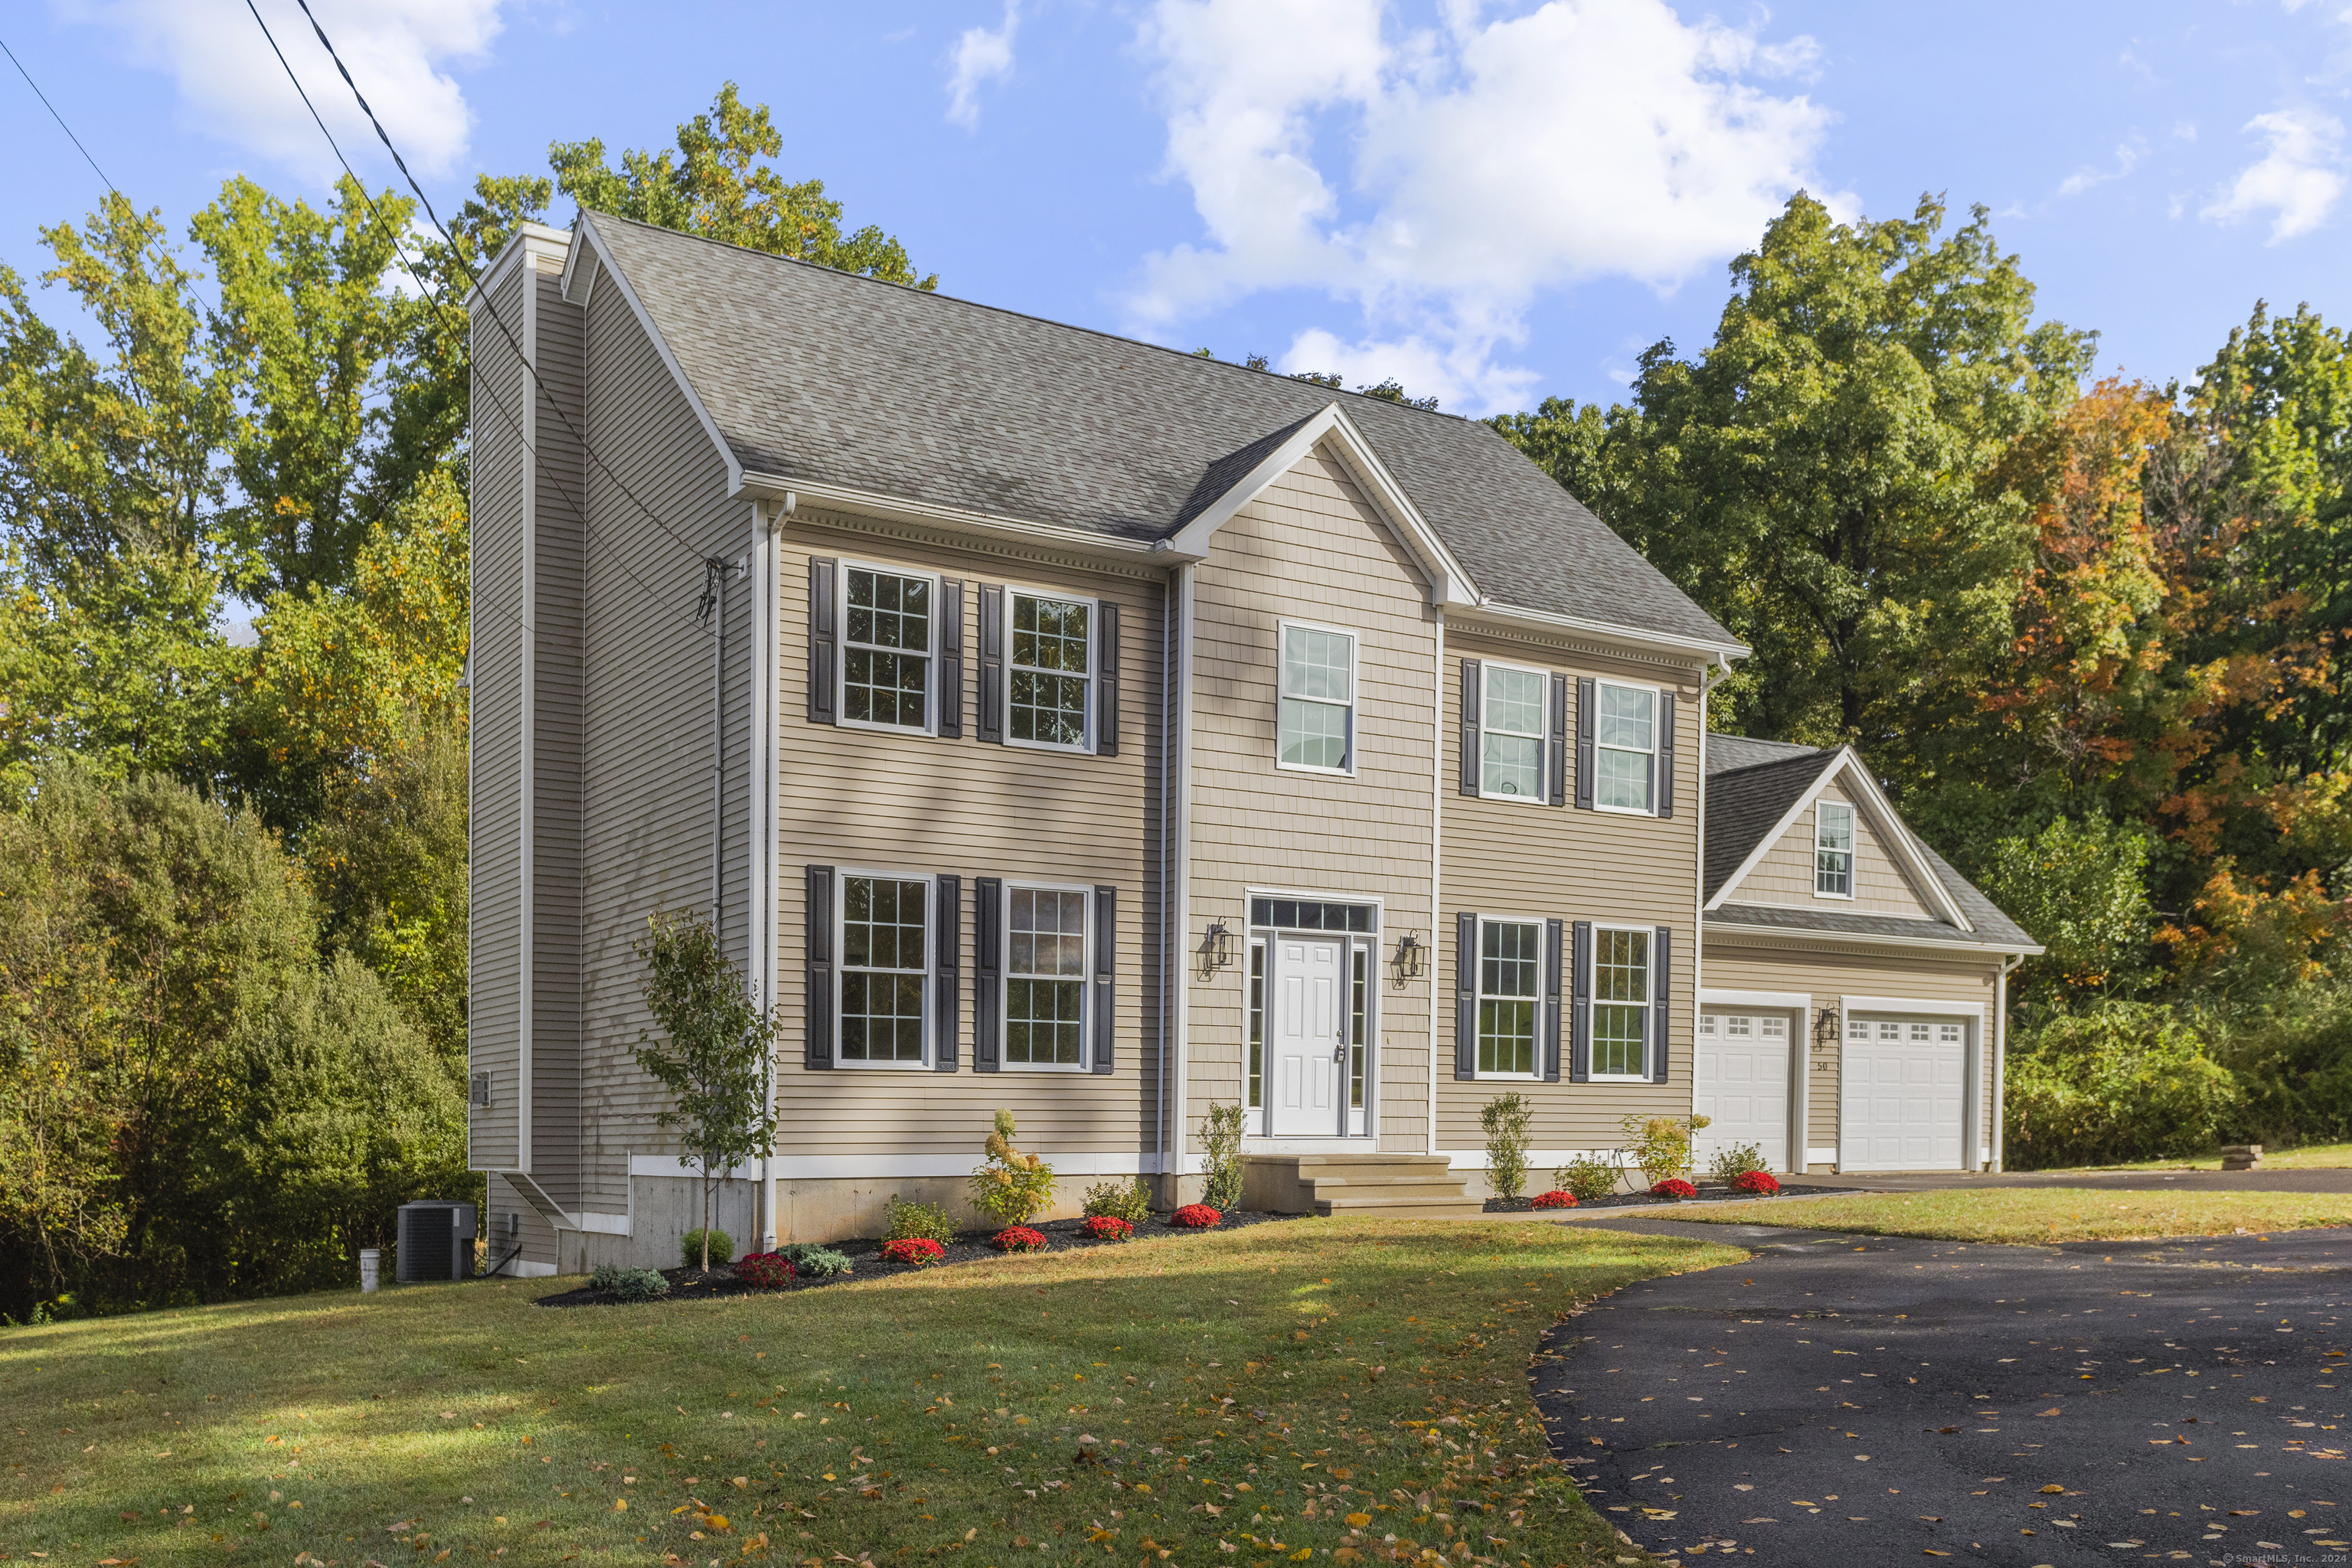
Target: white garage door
point(1740, 1083)
point(1902, 1094)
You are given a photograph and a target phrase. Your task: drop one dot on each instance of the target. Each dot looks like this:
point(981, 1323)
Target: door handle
point(1339, 1052)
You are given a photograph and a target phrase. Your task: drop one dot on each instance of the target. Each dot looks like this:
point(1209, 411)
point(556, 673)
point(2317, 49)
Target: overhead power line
point(60, 119)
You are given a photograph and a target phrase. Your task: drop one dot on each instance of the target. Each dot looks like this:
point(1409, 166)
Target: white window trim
point(930, 725)
point(1649, 1002)
point(1255, 952)
point(1543, 737)
point(1480, 997)
point(841, 876)
point(1004, 1062)
point(1657, 707)
point(1086, 744)
point(1282, 630)
point(1853, 847)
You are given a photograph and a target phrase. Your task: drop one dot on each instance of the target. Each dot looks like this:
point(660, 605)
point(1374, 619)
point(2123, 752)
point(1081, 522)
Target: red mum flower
point(1553, 1200)
point(1674, 1187)
point(1018, 1238)
point(1107, 1227)
point(1760, 1184)
point(1195, 1216)
point(920, 1251)
point(765, 1271)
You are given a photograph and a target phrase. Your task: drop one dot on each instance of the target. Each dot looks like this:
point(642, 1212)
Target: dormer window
point(1832, 850)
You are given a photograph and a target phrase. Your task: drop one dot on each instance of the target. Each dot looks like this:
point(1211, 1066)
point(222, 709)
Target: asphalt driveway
point(1860, 1400)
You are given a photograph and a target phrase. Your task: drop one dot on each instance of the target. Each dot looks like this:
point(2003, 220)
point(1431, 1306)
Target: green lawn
point(2041, 1214)
point(1355, 1388)
point(2310, 1157)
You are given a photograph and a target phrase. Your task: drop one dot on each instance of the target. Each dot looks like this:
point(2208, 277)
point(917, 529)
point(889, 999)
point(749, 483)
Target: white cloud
point(2128, 157)
point(232, 87)
point(1440, 179)
point(2297, 182)
point(982, 54)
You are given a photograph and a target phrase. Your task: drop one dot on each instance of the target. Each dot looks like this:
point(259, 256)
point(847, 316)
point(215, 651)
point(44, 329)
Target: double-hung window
point(1512, 732)
point(1317, 723)
point(1832, 850)
point(888, 619)
point(1045, 977)
point(1625, 742)
point(1510, 979)
point(886, 964)
point(1051, 672)
point(1621, 1003)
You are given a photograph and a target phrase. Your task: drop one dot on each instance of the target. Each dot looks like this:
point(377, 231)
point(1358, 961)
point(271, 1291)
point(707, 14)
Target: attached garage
point(1740, 1068)
point(1903, 1095)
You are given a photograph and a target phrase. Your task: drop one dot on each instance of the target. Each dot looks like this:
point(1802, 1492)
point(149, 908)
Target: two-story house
point(1059, 722)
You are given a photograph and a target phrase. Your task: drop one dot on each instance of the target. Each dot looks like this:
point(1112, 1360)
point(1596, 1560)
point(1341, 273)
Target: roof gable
point(1794, 784)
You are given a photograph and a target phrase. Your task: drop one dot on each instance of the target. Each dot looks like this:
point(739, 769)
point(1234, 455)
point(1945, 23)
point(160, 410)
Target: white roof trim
point(1799, 1001)
point(1914, 1005)
point(1810, 936)
point(1449, 584)
point(950, 519)
point(587, 231)
point(528, 239)
point(1603, 631)
point(1890, 826)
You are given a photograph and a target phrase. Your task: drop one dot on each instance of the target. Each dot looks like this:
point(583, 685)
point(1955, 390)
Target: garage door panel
point(1903, 1093)
point(1740, 1083)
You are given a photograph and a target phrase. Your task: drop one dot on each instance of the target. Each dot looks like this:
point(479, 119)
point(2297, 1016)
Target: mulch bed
point(865, 1255)
point(1708, 1193)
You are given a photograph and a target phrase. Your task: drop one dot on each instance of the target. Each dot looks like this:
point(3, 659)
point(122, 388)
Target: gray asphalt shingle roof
point(822, 376)
point(1750, 786)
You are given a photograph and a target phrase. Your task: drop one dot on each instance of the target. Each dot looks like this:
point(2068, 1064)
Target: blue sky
point(1493, 203)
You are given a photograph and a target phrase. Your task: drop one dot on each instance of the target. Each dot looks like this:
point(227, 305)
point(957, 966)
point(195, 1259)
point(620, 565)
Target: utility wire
point(60, 119)
point(513, 423)
point(381, 135)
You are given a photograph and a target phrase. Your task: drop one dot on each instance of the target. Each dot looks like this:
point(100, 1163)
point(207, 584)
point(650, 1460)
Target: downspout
point(1436, 873)
point(1709, 678)
point(1171, 938)
point(714, 605)
point(763, 823)
point(1181, 847)
point(2001, 1052)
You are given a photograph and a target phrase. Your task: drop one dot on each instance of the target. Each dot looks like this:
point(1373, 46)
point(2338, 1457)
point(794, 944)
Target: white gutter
point(949, 519)
point(1793, 933)
point(1604, 631)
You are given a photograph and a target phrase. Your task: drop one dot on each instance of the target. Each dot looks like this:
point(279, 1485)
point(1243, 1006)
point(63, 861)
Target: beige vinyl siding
point(557, 572)
point(1311, 548)
point(1514, 857)
point(1785, 873)
point(646, 827)
point(930, 807)
point(500, 479)
point(1829, 974)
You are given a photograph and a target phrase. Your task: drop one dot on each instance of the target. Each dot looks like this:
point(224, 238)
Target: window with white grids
point(1833, 850)
point(885, 968)
point(1512, 732)
point(1315, 724)
point(1050, 674)
point(887, 623)
point(1045, 976)
point(1625, 739)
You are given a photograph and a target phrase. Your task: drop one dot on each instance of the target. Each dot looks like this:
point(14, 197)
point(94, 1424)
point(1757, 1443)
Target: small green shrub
point(928, 1220)
point(1129, 1201)
point(1221, 1156)
point(1012, 1188)
point(1589, 1176)
point(629, 1284)
point(1505, 1119)
point(1735, 1161)
point(1660, 1145)
point(689, 1248)
point(815, 1262)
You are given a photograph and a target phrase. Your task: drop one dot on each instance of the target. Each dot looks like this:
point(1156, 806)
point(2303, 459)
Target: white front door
point(1903, 1091)
point(1740, 1083)
point(1310, 1035)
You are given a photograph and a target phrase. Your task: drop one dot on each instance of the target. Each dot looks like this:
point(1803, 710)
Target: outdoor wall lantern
point(1411, 956)
point(1825, 1029)
point(1217, 947)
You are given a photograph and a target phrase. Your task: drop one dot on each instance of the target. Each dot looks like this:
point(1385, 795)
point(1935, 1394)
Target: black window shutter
point(1662, 990)
point(951, 692)
point(1555, 745)
point(987, 966)
point(1579, 1007)
point(1665, 753)
point(992, 662)
point(818, 941)
point(1584, 758)
point(1105, 968)
point(824, 642)
point(1466, 995)
point(1472, 744)
point(1553, 934)
point(947, 970)
point(1107, 680)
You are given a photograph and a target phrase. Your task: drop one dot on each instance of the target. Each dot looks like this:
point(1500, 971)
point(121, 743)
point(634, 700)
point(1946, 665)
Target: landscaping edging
point(1708, 1193)
point(864, 1254)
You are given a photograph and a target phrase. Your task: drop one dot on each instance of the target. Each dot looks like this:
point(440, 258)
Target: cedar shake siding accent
point(1785, 873)
point(1310, 548)
point(989, 813)
point(1531, 860)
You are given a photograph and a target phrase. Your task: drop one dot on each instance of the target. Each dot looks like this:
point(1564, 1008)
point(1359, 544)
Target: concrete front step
point(1417, 1186)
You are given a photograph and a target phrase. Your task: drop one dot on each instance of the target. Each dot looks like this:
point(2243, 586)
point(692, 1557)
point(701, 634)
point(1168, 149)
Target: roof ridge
point(1027, 316)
